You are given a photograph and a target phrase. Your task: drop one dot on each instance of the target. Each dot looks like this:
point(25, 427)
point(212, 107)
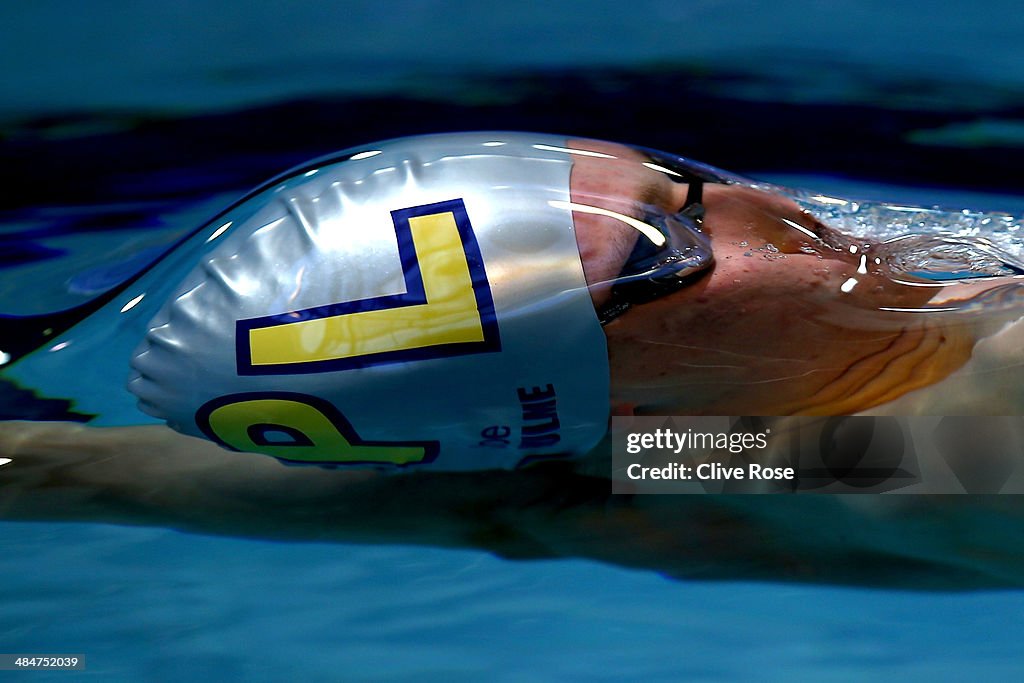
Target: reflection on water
point(397, 610)
point(948, 257)
point(934, 243)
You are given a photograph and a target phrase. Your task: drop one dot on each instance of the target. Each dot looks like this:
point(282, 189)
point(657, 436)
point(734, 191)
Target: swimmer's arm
point(153, 476)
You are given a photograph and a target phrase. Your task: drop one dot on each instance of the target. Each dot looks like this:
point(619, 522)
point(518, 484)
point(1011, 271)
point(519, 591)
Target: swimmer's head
point(423, 300)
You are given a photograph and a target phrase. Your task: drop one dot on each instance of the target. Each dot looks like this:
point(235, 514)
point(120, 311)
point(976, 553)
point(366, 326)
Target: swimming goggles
point(655, 270)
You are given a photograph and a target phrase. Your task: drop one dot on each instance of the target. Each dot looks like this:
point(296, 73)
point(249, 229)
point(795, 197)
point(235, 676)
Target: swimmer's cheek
point(741, 214)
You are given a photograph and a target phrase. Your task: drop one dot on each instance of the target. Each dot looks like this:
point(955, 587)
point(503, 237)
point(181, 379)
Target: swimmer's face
point(773, 328)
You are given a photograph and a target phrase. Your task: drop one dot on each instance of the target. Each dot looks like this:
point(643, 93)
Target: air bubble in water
point(945, 257)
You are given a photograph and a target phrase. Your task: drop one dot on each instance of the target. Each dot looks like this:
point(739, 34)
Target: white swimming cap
point(420, 301)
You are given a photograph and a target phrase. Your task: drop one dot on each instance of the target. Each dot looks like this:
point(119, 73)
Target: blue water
point(157, 605)
point(782, 90)
point(160, 605)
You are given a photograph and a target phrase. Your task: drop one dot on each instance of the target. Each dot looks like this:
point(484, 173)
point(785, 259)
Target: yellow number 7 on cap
point(446, 310)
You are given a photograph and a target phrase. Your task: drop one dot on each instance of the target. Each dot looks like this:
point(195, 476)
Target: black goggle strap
point(694, 207)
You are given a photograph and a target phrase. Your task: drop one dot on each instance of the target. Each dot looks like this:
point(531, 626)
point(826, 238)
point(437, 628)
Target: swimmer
point(795, 318)
point(284, 325)
point(688, 289)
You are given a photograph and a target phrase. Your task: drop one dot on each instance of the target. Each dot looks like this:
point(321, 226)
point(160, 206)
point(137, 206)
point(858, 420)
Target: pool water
point(128, 127)
point(158, 605)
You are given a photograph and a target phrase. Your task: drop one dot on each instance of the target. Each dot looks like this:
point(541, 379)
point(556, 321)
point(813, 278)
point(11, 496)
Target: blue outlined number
point(446, 310)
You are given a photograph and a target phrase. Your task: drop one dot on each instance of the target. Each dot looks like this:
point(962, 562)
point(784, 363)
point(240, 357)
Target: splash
point(931, 243)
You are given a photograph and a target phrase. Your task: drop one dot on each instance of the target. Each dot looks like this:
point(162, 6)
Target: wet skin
point(769, 330)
